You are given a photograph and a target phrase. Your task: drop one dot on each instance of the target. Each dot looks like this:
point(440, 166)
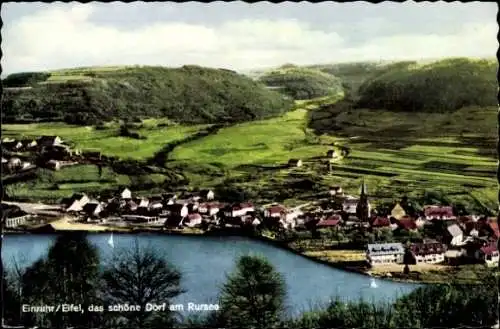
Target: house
point(126, 194)
point(379, 222)
point(488, 254)
point(407, 224)
point(12, 145)
point(209, 208)
point(179, 210)
point(92, 209)
point(420, 222)
point(493, 228)
point(192, 220)
point(25, 165)
point(49, 141)
point(54, 164)
point(275, 211)
point(131, 205)
point(207, 194)
point(438, 212)
point(4, 164)
point(385, 253)
point(14, 164)
point(398, 212)
point(336, 191)
point(29, 144)
point(330, 222)
point(350, 204)
point(76, 202)
point(292, 215)
point(454, 235)
point(239, 210)
point(295, 163)
point(142, 203)
point(428, 251)
point(331, 154)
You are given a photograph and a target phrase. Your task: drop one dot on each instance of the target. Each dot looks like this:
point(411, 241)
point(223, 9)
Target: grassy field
point(396, 153)
point(107, 140)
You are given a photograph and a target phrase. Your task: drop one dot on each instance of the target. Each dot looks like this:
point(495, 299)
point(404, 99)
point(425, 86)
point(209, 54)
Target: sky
point(240, 36)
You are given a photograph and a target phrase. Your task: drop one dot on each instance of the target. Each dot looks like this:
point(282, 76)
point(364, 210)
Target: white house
point(78, 202)
point(349, 205)
point(239, 210)
point(208, 208)
point(385, 253)
point(275, 211)
point(192, 220)
point(336, 191)
point(126, 194)
point(456, 235)
point(207, 194)
point(16, 221)
point(180, 210)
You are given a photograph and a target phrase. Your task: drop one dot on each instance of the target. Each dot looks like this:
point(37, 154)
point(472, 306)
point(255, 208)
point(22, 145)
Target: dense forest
point(441, 86)
point(190, 94)
point(302, 83)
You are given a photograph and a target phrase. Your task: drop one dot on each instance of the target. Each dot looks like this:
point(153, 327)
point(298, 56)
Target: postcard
point(237, 165)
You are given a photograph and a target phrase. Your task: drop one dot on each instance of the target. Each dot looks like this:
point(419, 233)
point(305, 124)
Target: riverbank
point(346, 260)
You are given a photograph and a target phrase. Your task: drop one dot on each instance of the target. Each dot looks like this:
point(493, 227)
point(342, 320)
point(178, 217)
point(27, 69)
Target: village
point(443, 237)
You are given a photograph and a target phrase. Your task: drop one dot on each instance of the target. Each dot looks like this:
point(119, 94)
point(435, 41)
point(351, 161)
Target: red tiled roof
point(427, 248)
point(490, 248)
point(194, 216)
point(276, 209)
point(330, 221)
point(438, 211)
point(408, 223)
point(381, 222)
point(494, 228)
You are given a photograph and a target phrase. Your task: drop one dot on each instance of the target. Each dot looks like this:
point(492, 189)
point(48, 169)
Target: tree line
point(190, 94)
point(302, 83)
point(253, 296)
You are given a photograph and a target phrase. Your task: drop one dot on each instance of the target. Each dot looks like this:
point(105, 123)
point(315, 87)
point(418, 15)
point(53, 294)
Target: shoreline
point(49, 229)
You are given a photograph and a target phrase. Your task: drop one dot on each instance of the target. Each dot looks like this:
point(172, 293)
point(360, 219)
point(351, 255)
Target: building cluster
point(177, 210)
point(49, 152)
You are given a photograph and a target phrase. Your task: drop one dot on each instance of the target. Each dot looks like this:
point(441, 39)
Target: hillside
point(301, 83)
point(191, 94)
point(441, 86)
point(353, 75)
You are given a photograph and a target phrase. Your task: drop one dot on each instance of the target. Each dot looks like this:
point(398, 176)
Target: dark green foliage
point(302, 83)
point(189, 94)
point(140, 276)
point(24, 79)
point(253, 296)
point(67, 275)
point(442, 86)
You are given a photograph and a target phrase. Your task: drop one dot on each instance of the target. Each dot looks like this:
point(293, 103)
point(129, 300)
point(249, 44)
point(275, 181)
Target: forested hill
point(441, 86)
point(301, 82)
point(190, 94)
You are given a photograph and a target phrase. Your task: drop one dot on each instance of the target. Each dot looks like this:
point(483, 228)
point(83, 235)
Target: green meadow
point(422, 157)
point(107, 140)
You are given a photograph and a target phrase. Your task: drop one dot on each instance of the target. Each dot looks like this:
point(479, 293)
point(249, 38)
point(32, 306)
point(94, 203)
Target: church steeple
point(363, 207)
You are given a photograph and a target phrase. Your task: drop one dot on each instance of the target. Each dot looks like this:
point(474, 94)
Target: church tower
point(363, 208)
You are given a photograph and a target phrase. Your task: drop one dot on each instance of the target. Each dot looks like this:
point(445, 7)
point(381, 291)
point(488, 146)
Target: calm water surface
point(205, 262)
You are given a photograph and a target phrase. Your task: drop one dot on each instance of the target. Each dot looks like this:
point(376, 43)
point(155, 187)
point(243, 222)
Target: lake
point(205, 262)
